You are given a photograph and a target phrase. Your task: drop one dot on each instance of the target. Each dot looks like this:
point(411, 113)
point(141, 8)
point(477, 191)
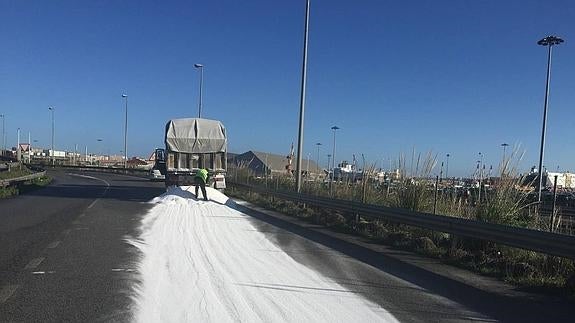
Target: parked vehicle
point(156, 175)
point(191, 144)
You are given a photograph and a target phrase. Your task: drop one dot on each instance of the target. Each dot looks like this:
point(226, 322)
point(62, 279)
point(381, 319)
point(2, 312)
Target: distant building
point(261, 163)
point(136, 162)
point(564, 180)
point(54, 153)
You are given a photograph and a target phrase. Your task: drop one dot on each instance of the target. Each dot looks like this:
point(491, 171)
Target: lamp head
point(550, 41)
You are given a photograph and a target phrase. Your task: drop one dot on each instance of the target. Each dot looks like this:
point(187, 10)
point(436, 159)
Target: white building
point(564, 180)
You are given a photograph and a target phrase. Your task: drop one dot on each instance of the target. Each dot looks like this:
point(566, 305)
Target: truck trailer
point(191, 144)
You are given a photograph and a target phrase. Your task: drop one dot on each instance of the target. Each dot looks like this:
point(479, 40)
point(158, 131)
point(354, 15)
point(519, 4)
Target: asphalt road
point(411, 287)
point(63, 256)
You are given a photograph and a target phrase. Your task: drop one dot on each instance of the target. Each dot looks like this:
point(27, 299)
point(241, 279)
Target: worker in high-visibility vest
point(200, 180)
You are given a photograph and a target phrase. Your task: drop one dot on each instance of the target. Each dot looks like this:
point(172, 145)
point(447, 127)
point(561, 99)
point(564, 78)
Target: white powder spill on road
point(205, 262)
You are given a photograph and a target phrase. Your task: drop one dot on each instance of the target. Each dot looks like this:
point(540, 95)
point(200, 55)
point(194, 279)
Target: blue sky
point(457, 77)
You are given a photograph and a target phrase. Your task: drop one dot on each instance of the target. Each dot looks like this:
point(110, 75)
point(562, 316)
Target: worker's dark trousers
point(200, 183)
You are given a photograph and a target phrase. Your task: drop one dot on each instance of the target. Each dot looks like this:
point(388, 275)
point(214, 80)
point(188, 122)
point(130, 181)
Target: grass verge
point(526, 269)
point(25, 187)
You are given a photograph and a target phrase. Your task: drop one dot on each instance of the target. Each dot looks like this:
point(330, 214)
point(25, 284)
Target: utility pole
point(548, 41)
point(3, 134)
point(18, 153)
point(201, 68)
point(125, 96)
point(302, 100)
point(317, 162)
point(29, 149)
point(334, 128)
point(53, 152)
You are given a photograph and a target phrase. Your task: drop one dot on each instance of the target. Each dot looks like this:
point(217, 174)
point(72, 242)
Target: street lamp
point(317, 162)
point(504, 165)
point(302, 100)
point(504, 145)
point(447, 167)
point(307, 167)
point(480, 162)
point(441, 173)
point(18, 147)
point(125, 96)
point(201, 68)
point(3, 134)
point(100, 153)
point(53, 153)
point(35, 144)
point(334, 128)
point(548, 41)
point(29, 148)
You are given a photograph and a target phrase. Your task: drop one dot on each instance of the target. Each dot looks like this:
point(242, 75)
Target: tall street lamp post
point(125, 96)
point(3, 134)
point(100, 153)
point(504, 145)
point(447, 167)
point(334, 128)
point(53, 152)
point(441, 173)
point(548, 41)
point(317, 162)
point(504, 162)
point(29, 148)
point(302, 100)
point(480, 162)
point(201, 68)
point(18, 154)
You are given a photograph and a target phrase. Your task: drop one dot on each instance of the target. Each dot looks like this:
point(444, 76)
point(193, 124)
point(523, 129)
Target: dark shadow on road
point(495, 305)
point(122, 193)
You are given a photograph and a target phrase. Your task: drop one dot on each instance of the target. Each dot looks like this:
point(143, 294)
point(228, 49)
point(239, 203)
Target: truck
point(191, 144)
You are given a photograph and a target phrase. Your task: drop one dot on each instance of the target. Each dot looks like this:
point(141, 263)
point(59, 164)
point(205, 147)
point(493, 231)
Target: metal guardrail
point(10, 181)
point(541, 241)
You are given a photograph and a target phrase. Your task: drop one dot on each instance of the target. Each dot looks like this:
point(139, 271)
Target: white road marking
point(53, 245)
point(97, 179)
point(128, 270)
point(6, 292)
point(34, 263)
point(43, 272)
point(480, 319)
point(92, 204)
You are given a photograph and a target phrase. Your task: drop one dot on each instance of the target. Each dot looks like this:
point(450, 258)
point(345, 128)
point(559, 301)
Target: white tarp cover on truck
point(194, 135)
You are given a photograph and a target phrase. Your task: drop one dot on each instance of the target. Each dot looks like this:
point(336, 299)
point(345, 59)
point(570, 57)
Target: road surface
point(102, 247)
point(63, 253)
